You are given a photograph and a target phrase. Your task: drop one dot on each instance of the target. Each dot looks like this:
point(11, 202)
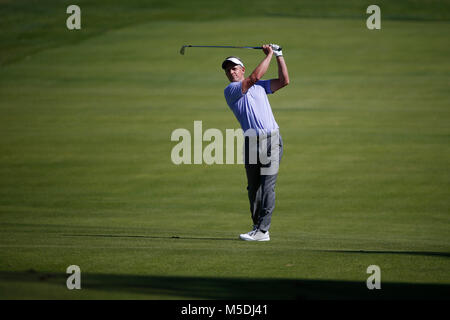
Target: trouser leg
point(267, 204)
point(268, 183)
point(254, 190)
point(261, 189)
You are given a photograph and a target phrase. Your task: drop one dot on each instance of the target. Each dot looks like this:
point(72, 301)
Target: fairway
point(86, 176)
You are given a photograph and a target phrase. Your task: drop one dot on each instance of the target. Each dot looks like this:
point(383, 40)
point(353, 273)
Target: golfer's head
point(234, 68)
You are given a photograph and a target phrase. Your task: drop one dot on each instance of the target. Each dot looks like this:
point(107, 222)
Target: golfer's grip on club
point(274, 47)
point(276, 50)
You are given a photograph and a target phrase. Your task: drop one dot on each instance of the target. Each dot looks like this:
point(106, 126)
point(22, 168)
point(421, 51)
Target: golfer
point(247, 98)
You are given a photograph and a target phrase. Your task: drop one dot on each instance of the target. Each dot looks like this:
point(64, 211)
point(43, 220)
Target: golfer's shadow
point(174, 237)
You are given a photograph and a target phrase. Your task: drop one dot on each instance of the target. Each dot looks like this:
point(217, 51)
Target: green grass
point(30, 26)
point(86, 176)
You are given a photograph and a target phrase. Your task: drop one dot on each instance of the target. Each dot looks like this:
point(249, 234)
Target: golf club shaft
point(234, 47)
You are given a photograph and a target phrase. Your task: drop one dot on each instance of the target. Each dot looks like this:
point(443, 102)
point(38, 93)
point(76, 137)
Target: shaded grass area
point(98, 285)
point(29, 26)
point(189, 264)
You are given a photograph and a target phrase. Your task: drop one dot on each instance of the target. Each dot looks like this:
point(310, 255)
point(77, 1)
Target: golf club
point(235, 47)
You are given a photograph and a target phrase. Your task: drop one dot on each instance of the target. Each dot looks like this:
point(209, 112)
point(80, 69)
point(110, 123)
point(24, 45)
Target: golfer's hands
point(276, 50)
point(267, 49)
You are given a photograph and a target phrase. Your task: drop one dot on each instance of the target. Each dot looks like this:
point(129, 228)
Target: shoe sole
point(245, 238)
point(250, 239)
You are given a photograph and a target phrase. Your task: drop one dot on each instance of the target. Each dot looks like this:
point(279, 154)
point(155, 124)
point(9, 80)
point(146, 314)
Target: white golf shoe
point(255, 235)
point(247, 235)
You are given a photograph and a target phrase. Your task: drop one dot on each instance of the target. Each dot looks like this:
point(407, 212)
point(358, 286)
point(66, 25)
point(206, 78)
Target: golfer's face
point(234, 72)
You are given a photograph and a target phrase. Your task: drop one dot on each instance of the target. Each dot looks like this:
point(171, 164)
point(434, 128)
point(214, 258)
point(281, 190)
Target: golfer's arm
point(283, 76)
point(257, 74)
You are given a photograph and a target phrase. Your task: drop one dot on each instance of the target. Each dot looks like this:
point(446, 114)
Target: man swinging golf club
point(247, 98)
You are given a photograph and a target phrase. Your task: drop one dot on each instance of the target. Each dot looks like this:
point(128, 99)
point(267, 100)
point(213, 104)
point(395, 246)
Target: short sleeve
point(233, 92)
point(265, 84)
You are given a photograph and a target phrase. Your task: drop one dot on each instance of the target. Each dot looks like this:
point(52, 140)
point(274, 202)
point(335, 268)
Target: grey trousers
point(261, 187)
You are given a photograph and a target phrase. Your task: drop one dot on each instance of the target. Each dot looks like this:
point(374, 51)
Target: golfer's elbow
point(285, 82)
point(254, 78)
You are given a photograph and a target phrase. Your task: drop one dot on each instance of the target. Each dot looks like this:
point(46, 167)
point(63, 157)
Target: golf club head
point(182, 50)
